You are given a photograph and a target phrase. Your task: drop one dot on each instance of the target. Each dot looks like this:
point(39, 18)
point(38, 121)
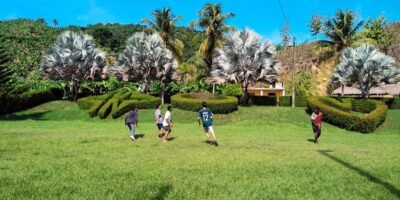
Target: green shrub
point(347, 120)
point(96, 107)
point(264, 100)
point(12, 102)
point(234, 90)
point(395, 103)
point(116, 103)
point(225, 104)
point(301, 101)
point(86, 102)
point(105, 110)
point(363, 105)
point(343, 106)
point(285, 100)
point(127, 105)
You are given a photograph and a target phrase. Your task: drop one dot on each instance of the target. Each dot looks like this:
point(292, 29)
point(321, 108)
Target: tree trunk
point(75, 89)
point(342, 91)
point(245, 96)
point(162, 92)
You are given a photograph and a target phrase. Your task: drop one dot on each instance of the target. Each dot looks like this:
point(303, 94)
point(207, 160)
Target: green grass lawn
point(56, 151)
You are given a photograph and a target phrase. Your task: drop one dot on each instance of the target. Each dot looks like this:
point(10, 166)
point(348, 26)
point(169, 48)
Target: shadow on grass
point(137, 136)
point(171, 138)
point(163, 192)
point(30, 116)
point(310, 140)
point(209, 142)
point(391, 188)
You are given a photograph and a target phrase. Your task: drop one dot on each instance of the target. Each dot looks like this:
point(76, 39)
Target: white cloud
point(96, 14)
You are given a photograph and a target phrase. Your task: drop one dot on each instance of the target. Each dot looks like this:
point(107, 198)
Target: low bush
point(127, 105)
point(347, 120)
point(222, 104)
point(395, 103)
point(363, 105)
point(285, 100)
point(14, 101)
point(116, 103)
point(264, 100)
point(234, 90)
point(301, 101)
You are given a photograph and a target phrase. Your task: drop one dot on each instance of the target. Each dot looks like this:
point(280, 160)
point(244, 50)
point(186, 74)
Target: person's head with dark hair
point(316, 110)
point(158, 106)
point(204, 104)
point(169, 107)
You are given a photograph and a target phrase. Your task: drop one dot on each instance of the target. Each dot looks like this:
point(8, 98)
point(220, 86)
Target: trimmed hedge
point(224, 104)
point(117, 103)
point(395, 103)
point(363, 105)
point(13, 102)
point(301, 101)
point(347, 120)
point(264, 100)
point(127, 105)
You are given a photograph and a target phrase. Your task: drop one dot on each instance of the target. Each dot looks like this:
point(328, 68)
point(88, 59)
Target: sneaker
point(132, 138)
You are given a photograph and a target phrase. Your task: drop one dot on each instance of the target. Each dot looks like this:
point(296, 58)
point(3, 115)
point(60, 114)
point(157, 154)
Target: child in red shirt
point(316, 121)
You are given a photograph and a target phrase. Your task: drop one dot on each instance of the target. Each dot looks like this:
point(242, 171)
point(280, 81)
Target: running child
point(205, 118)
point(316, 121)
point(167, 123)
point(159, 120)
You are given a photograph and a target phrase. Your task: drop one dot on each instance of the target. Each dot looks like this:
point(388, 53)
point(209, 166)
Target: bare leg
point(166, 136)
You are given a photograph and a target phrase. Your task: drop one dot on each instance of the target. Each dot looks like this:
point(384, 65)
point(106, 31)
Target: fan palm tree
point(74, 57)
point(341, 29)
point(212, 21)
point(245, 59)
point(146, 59)
point(164, 24)
point(365, 67)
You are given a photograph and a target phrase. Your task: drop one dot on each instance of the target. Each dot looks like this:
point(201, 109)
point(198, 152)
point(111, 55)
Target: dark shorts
point(159, 126)
point(315, 128)
point(167, 128)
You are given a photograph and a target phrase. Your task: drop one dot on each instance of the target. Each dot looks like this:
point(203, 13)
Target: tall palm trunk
point(342, 90)
point(162, 92)
point(75, 89)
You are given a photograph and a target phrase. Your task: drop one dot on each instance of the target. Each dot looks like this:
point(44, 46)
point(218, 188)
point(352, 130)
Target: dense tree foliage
point(213, 24)
point(341, 29)
point(5, 70)
point(245, 59)
point(73, 58)
point(365, 67)
point(145, 59)
point(164, 25)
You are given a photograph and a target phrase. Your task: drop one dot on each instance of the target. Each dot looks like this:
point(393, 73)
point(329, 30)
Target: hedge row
point(347, 120)
point(117, 103)
point(300, 101)
point(222, 105)
point(12, 102)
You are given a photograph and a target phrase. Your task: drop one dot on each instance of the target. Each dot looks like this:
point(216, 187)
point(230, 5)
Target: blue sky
point(264, 16)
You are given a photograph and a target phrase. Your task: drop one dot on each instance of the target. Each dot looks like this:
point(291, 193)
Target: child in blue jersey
point(205, 118)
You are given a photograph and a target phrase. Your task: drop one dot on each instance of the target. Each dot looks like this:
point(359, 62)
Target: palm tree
point(245, 59)
point(164, 24)
point(340, 76)
point(74, 57)
point(365, 67)
point(341, 29)
point(212, 21)
point(146, 59)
